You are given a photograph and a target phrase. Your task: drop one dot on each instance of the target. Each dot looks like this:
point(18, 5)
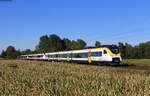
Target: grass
point(39, 78)
point(139, 62)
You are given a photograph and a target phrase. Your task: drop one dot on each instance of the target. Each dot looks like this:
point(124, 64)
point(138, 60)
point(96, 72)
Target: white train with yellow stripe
point(106, 54)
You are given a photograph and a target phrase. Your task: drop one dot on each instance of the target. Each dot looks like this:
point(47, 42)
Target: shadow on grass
point(13, 66)
point(122, 65)
point(105, 64)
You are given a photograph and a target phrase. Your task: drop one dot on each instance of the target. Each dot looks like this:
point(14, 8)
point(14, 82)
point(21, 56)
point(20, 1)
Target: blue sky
point(22, 22)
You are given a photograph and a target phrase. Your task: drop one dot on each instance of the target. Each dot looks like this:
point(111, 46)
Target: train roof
point(88, 47)
point(33, 54)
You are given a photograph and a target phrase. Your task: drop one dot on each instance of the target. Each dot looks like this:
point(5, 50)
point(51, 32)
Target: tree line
point(47, 43)
point(141, 51)
point(54, 43)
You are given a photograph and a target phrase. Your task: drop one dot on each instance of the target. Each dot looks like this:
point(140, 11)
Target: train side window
point(65, 55)
point(57, 55)
point(54, 56)
point(105, 52)
point(78, 55)
point(49, 56)
point(100, 53)
point(69, 55)
point(62, 55)
point(84, 55)
point(96, 53)
point(73, 55)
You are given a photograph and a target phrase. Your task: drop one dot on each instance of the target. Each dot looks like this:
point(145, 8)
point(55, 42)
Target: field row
point(39, 78)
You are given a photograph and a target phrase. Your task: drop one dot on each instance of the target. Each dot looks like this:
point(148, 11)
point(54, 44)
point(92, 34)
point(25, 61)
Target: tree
point(78, 44)
point(67, 43)
point(142, 51)
point(11, 52)
point(135, 52)
point(128, 51)
point(50, 44)
point(122, 48)
point(81, 43)
point(56, 44)
point(147, 50)
point(44, 44)
point(27, 51)
point(97, 44)
point(3, 54)
point(74, 44)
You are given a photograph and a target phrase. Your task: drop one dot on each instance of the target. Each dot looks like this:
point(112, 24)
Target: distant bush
point(10, 53)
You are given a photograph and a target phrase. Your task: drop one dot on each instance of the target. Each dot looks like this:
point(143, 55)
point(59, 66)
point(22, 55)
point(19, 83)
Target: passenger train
point(106, 54)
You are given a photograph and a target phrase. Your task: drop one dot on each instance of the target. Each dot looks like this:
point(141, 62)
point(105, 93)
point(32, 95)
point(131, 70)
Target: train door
point(105, 55)
point(69, 57)
point(45, 57)
point(89, 57)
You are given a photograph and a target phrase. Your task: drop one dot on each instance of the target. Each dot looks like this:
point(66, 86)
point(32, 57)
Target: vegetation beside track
point(22, 77)
point(137, 62)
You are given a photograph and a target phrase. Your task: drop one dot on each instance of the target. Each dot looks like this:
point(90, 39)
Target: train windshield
point(114, 49)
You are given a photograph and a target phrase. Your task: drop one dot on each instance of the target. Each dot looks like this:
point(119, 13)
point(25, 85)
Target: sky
point(22, 22)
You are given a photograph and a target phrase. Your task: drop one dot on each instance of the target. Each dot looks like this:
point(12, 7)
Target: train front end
point(114, 54)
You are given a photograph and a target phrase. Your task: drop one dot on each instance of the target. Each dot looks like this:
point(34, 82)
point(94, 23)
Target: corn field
point(41, 78)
